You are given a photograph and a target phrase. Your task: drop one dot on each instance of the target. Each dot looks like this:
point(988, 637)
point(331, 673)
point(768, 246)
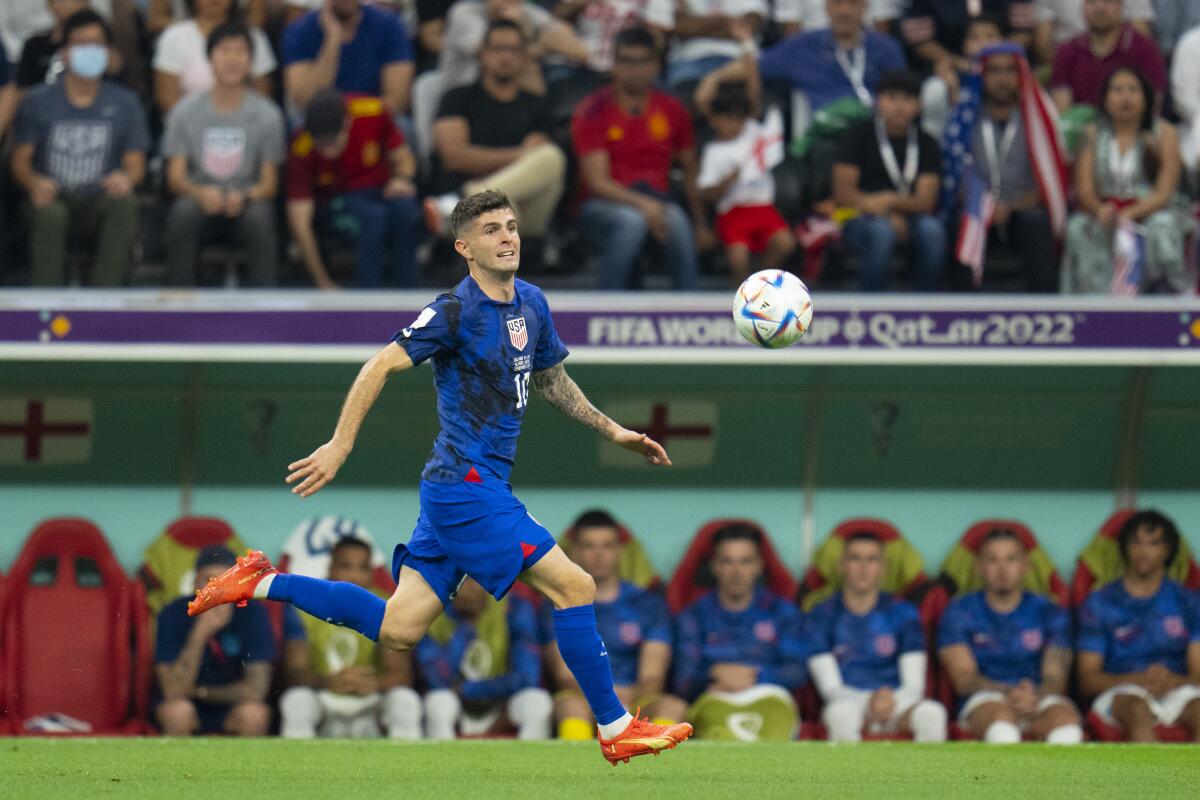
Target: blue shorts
point(475, 529)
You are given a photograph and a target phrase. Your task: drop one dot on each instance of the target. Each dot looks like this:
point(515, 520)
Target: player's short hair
point(737, 532)
point(899, 81)
point(594, 518)
point(349, 543)
point(732, 100)
point(636, 36)
point(1155, 521)
point(504, 25)
point(233, 29)
point(85, 19)
point(325, 114)
point(1000, 534)
point(472, 207)
point(862, 536)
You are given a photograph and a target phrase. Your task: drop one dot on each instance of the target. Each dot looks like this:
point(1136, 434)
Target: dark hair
point(986, 19)
point(474, 206)
point(1148, 93)
point(901, 81)
point(504, 25)
point(636, 36)
point(85, 19)
point(999, 535)
point(348, 542)
point(1154, 520)
point(732, 100)
point(737, 532)
point(861, 536)
point(325, 114)
point(215, 555)
point(229, 30)
point(594, 518)
point(235, 8)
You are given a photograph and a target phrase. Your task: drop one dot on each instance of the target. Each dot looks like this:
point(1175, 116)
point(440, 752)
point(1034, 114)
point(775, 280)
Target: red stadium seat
point(692, 580)
point(1099, 564)
point(958, 577)
point(74, 638)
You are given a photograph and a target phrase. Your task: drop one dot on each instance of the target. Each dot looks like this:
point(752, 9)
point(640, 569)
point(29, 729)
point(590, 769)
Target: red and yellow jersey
point(363, 164)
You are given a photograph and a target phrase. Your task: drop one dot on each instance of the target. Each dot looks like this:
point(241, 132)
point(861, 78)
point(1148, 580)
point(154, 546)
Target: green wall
point(797, 448)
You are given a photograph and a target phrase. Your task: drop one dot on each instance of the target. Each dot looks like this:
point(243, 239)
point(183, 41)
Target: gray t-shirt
point(226, 150)
point(1016, 170)
point(77, 147)
point(466, 24)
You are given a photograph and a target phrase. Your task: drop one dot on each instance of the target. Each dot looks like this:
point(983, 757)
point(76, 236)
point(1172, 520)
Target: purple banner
point(837, 325)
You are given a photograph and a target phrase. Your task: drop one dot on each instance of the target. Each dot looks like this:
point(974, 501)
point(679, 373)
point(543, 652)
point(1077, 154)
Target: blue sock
point(585, 655)
point(333, 601)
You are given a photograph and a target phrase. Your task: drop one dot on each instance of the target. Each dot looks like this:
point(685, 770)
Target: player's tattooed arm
point(556, 388)
point(1056, 669)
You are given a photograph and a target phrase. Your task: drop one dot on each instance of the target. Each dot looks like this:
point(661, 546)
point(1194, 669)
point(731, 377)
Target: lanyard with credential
point(855, 70)
point(996, 156)
point(903, 181)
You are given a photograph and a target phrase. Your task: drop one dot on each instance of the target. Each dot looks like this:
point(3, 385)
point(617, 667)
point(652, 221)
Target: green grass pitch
point(225, 769)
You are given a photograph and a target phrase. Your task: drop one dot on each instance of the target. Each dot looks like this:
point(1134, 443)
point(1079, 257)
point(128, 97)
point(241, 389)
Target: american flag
point(1129, 260)
point(1040, 123)
point(978, 207)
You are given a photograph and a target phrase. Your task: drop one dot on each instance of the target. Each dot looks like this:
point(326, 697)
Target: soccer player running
point(869, 659)
point(1008, 652)
point(489, 338)
point(1139, 637)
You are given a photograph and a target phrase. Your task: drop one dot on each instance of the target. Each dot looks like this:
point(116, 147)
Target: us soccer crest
point(223, 152)
point(1031, 639)
point(517, 334)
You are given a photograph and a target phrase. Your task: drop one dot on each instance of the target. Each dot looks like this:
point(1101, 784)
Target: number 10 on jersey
point(522, 381)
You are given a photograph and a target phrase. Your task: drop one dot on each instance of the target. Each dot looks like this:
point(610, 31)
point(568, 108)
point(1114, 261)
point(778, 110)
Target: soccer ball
point(772, 308)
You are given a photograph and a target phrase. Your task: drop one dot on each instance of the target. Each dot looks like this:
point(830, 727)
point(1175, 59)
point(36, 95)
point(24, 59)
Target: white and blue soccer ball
point(772, 308)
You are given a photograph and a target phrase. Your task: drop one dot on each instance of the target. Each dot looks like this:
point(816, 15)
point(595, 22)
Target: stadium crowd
point(1037, 145)
point(997, 647)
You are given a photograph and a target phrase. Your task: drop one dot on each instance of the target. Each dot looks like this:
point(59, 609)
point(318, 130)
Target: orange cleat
point(643, 737)
point(234, 585)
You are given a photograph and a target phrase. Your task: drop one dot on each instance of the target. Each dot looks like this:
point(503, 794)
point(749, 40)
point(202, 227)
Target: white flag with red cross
point(687, 429)
point(45, 430)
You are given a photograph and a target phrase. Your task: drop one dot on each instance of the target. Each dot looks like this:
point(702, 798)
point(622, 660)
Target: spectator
point(214, 670)
point(1008, 653)
point(1017, 160)
point(353, 47)
point(481, 667)
point(1185, 91)
point(868, 656)
point(467, 23)
point(828, 64)
point(738, 649)
point(1083, 64)
point(351, 159)
point(597, 23)
point(937, 29)
point(494, 135)
point(351, 686)
point(224, 147)
point(80, 151)
point(160, 14)
point(892, 201)
point(1127, 177)
point(20, 19)
point(794, 16)
point(181, 62)
point(41, 61)
point(1139, 638)
point(431, 31)
point(1059, 21)
point(627, 136)
point(1174, 18)
point(702, 33)
point(635, 626)
point(735, 175)
point(940, 92)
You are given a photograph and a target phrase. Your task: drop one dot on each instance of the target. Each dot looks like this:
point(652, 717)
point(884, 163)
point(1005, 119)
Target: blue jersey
point(1007, 647)
point(766, 635)
point(483, 353)
point(637, 616)
point(247, 638)
point(453, 664)
point(1134, 632)
point(867, 647)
